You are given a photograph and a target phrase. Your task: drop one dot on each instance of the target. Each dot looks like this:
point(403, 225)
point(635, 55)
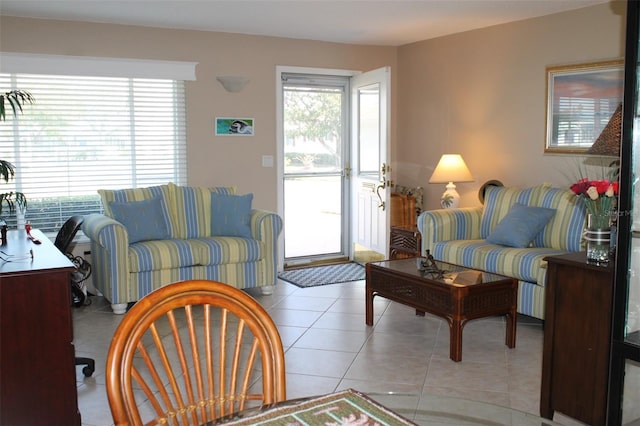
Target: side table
point(577, 337)
point(404, 242)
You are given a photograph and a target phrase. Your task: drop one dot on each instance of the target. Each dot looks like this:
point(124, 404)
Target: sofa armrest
point(109, 256)
point(449, 224)
point(265, 227)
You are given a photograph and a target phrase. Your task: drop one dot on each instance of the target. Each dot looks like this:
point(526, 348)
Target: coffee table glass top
point(443, 272)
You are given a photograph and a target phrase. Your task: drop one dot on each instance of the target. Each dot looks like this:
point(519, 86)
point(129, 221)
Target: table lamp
point(608, 143)
point(451, 168)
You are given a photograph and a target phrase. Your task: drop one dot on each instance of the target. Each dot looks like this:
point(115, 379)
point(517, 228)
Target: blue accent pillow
point(231, 215)
point(520, 226)
point(145, 220)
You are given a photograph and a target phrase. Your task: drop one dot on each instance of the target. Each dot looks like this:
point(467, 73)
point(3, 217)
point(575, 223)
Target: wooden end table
point(404, 242)
point(457, 294)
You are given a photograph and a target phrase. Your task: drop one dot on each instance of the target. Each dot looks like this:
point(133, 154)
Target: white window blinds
point(87, 133)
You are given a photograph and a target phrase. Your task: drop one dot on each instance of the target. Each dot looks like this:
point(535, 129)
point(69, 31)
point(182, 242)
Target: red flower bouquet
point(599, 197)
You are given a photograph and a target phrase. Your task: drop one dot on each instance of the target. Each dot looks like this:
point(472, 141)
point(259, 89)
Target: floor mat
point(323, 275)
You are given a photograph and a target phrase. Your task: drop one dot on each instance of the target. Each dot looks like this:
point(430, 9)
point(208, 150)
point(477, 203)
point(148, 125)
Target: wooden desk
point(37, 368)
point(575, 363)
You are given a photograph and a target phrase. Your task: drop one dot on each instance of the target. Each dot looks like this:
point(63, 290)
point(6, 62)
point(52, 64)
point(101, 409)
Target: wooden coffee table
point(455, 293)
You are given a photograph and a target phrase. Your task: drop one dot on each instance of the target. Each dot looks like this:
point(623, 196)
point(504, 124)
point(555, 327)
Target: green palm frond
point(15, 98)
point(13, 200)
point(7, 170)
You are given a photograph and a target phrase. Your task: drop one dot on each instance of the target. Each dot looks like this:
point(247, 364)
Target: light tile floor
point(329, 347)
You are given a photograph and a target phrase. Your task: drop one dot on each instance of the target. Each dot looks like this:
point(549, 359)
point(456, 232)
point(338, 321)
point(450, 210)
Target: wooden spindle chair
point(191, 352)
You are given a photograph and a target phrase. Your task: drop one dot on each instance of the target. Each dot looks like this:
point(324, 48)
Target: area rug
point(323, 275)
point(348, 407)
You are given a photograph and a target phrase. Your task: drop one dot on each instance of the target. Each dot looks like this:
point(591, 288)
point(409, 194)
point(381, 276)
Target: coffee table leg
point(455, 338)
point(368, 307)
point(510, 339)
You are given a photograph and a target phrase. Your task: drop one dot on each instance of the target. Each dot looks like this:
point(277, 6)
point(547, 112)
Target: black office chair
point(63, 241)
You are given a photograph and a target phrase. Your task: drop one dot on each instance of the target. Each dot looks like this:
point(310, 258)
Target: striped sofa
point(458, 236)
point(126, 271)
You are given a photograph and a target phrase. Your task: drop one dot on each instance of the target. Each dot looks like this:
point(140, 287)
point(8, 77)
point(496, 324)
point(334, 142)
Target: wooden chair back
point(191, 352)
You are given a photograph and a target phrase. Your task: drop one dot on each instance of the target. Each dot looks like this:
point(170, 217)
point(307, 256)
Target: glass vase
point(21, 220)
point(598, 238)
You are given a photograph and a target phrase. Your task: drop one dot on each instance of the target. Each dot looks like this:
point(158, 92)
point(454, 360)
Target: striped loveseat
point(184, 241)
point(459, 236)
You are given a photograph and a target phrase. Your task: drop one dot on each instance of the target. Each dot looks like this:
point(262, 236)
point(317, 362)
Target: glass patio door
point(624, 377)
point(314, 125)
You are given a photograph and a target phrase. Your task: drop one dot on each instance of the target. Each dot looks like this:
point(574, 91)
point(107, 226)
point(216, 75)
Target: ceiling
point(371, 22)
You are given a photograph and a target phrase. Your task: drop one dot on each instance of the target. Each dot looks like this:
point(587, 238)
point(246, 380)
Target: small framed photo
point(581, 99)
point(228, 126)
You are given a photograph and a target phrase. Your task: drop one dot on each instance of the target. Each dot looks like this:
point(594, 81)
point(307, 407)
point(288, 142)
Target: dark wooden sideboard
point(37, 368)
point(577, 335)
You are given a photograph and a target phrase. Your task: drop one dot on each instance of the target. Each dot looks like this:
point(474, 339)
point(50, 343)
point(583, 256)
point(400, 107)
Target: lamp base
point(450, 198)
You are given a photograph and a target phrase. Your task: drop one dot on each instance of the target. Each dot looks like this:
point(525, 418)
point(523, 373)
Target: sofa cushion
point(521, 263)
point(192, 209)
point(231, 215)
point(498, 201)
point(218, 250)
point(520, 226)
point(163, 254)
point(564, 230)
point(178, 253)
point(144, 220)
point(132, 194)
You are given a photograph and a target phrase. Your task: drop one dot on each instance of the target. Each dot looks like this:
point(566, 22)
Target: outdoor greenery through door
point(315, 158)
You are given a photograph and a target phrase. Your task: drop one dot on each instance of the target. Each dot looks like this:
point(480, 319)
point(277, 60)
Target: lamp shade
point(608, 143)
point(451, 168)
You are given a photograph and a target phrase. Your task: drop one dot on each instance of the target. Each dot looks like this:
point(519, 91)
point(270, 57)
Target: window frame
point(48, 214)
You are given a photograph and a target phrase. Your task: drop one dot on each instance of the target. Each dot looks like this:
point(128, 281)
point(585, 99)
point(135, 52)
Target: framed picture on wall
point(229, 126)
point(581, 99)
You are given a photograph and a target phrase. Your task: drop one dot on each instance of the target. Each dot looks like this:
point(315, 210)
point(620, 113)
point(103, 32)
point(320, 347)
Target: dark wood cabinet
point(577, 335)
point(37, 368)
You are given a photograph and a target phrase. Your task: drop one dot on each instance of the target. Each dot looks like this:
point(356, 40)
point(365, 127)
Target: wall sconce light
point(232, 83)
point(450, 168)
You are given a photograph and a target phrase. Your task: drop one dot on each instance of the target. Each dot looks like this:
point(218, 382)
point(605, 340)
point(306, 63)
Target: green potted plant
point(16, 99)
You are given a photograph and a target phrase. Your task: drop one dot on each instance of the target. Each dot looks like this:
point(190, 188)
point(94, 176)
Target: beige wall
point(483, 94)
point(212, 160)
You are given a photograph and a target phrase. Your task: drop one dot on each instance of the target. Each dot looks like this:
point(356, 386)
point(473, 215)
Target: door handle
point(382, 203)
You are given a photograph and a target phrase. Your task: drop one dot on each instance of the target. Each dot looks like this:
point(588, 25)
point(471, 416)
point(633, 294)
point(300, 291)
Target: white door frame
point(280, 135)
